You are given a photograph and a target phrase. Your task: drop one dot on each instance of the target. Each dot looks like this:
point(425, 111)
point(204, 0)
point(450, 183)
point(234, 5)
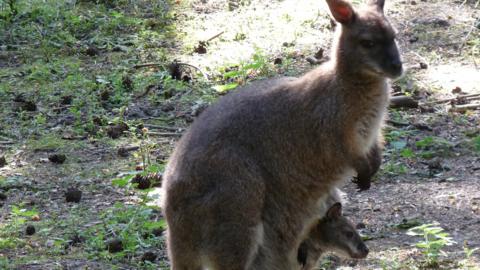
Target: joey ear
point(335, 211)
point(341, 11)
point(377, 3)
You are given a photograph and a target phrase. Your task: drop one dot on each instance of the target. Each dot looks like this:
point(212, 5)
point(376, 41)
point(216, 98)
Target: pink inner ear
point(345, 12)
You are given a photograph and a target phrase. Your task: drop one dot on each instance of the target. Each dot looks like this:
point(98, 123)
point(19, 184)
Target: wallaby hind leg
point(181, 257)
point(237, 247)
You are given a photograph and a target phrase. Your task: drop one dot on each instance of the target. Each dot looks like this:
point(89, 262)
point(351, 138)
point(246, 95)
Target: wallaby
point(333, 233)
point(244, 184)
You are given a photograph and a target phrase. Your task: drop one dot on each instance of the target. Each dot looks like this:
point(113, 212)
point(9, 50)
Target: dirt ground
point(431, 163)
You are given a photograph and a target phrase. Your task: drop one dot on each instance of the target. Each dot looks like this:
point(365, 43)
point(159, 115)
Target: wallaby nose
point(363, 250)
point(397, 64)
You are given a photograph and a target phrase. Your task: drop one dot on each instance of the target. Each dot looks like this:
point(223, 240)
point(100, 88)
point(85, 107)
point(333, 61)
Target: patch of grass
point(133, 225)
point(432, 146)
point(47, 143)
point(11, 231)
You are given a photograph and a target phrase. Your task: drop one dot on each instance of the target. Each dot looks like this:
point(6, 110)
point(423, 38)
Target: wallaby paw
point(362, 184)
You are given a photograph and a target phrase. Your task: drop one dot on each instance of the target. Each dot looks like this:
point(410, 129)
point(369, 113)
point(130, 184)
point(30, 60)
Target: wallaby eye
point(367, 43)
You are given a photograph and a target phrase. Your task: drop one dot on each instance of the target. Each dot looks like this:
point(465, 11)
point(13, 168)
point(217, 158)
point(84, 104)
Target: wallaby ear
point(377, 3)
point(341, 10)
point(335, 211)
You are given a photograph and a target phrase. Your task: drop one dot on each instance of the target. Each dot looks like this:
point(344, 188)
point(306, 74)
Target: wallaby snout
point(362, 251)
point(393, 67)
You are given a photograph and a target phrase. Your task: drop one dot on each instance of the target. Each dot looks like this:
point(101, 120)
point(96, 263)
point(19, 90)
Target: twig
point(6, 142)
point(469, 97)
point(215, 36)
point(398, 123)
point(162, 127)
point(464, 108)
point(472, 28)
point(148, 65)
point(165, 134)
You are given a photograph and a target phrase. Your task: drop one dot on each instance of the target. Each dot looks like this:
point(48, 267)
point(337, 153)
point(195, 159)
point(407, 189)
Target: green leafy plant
point(468, 262)
point(476, 143)
point(434, 240)
point(258, 66)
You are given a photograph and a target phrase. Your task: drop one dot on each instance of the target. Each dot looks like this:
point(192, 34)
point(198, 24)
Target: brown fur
point(243, 186)
point(334, 233)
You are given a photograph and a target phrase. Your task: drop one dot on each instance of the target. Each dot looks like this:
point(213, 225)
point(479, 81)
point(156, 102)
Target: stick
point(469, 97)
point(165, 134)
point(464, 108)
point(215, 36)
point(6, 142)
point(162, 127)
point(148, 65)
point(397, 123)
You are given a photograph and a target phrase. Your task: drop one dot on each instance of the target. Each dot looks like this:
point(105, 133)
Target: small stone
point(278, 61)
point(30, 230)
point(49, 243)
point(57, 158)
point(435, 165)
point(423, 65)
point(116, 131)
point(312, 60)
point(201, 48)
point(73, 195)
point(142, 182)
point(167, 107)
point(105, 95)
point(29, 106)
point(76, 239)
point(457, 90)
point(157, 232)
point(3, 161)
point(149, 256)
point(123, 152)
point(319, 54)
point(91, 51)
point(360, 225)
point(114, 245)
point(66, 100)
point(127, 82)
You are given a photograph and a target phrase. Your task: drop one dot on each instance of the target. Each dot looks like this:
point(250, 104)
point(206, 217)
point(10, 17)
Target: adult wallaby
point(333, 233)
point(243, 186)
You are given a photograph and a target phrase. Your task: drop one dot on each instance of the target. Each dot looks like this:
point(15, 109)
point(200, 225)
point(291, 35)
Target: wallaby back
point(332, 233)
point(244, 184)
